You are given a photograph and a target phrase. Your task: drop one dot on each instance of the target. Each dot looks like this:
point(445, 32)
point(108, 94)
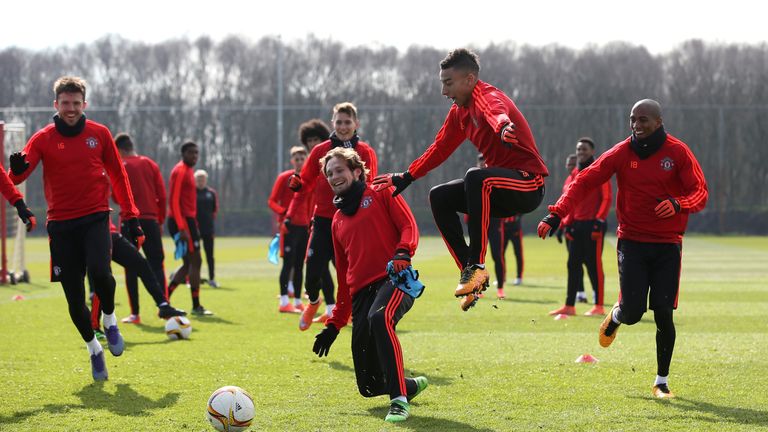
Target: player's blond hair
point(347, 108)
point(349, 156)
point(298, 149)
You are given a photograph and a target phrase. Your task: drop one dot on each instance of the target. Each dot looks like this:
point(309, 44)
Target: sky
point(659, 25)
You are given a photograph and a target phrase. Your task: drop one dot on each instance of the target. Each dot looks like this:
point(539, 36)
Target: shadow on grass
point(339, 366)
point(433, 378)
point(516, 300)
point(419, 422)
point(125, 402)
point(729, 414)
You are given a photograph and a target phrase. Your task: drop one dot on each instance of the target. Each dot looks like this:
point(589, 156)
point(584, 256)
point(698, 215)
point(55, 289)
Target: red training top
point(481, 123)
point(183, 195)
point(365, 242)
point(672, 171)
point(281, 195)
point(595, 205)
point(79, 173)
point(314, 181)
point(567, 220)
point(147, 185)
point(7, 188)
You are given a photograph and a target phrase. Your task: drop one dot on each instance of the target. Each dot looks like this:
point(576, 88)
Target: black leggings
point(208, 246)
point(585, 249)
point(294, 248)
point(319, 254)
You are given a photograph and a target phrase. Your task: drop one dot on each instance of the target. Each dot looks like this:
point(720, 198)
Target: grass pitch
point(504, 365)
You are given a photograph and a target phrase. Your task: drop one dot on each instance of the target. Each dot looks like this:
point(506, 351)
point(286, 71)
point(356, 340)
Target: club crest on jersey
point(91, 142)
point(366, 201)
point(667, 164)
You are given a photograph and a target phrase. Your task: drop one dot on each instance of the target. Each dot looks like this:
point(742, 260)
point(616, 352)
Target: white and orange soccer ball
point(178, 327)
point(230, 409)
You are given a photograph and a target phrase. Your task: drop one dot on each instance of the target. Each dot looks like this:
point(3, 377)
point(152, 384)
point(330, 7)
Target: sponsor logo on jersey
point(56, 270)
point(667, 164)
point(366, 201)
point(91, 142)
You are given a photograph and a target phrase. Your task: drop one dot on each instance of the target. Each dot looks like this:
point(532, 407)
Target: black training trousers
point(585, 249)
point(294, 250)
point(319, 254)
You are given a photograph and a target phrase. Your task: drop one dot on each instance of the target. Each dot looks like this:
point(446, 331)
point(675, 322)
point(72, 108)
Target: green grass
point(505, 365)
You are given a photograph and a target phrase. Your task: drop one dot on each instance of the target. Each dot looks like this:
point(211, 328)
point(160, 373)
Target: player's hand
point(19, 162)
point(294, 183)
point(324, 340)
point(401, 260)
point(26, 215)
point(285, 227)
point(508, 135)
point(399, 180)
point(547, 225)
point(667, 208)
point(132, 230)
point(559, 235)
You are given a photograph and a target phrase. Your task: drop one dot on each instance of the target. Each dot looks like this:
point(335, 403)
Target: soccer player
point(659, 183)
point(182, 225)
point(313, 132)
point(80, 162)
point(148, 190)
point(365, 290)
point(512, 183)
point(127, 255)
point(587, 234)
point(311, 184)
point(565, 224)
point(294, 234)
point(207, 208)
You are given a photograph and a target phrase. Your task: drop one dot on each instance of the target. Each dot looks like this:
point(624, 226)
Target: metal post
point(279, 105)
point(720, 158)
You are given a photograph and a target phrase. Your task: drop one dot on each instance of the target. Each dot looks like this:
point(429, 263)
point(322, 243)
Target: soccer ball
point(178, 327)
point(230, 409)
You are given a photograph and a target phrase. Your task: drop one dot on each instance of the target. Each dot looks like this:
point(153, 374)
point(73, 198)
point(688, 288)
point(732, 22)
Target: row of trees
point(224, 95)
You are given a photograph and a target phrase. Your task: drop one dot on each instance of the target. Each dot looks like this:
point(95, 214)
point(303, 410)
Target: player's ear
point(357, 172)
point(85, 104)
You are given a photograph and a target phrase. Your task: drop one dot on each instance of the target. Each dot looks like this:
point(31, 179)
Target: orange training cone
point(17, 297)
point(586, 358)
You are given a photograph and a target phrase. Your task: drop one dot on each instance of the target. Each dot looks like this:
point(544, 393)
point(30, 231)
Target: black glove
point(399, 180)
point(401, 260)
point(25, 214)
point(131, 229)
point(294, 183)
point(19, 163)
point(548, 225)
point(324, 340)
point(559, 235)
point(599, 226)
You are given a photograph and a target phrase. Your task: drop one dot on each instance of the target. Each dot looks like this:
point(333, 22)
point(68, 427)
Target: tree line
point(224, 96)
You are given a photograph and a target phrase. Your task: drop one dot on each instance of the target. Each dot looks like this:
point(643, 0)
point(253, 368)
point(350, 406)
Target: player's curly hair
point(69, 84)
point(461, 59)
point(350, 156)
point(314, 128)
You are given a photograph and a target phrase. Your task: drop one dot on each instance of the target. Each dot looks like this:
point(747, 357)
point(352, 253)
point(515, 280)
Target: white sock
point(108, 320)
point(94, 347)
point(329, 309)
point(400, 398)
point(283, 300)
point(660, 380)
point(163, 304)
point(290, 286)
point(614, 317)
point(482, 266)
point(297, 301)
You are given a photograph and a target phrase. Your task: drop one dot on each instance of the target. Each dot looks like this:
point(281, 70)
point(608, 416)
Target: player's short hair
point(350, 156)
point(201, 173)
point(124, 142)
point(461, 59)
point(588, 141)
point(186, 145)
point(298, 150)
point(347, 108)
point(314, 128)
point(571, 156)
point(69, 84)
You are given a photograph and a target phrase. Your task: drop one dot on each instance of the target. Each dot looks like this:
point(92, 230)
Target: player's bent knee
point(376, 320)
point(629, 316)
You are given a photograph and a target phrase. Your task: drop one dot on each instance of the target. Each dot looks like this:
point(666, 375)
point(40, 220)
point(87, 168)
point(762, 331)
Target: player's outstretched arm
point(399, 180)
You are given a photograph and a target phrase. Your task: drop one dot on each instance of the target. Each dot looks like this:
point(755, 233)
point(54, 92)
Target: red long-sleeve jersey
point(365, 242)
point(567, 220)
point(481, 123)
point(79, 173)
point(671, 172)
point(281, 195)
point(182, 201)
point(147, 186)
point(7, 188)
point(313, 181)
point(595, 205)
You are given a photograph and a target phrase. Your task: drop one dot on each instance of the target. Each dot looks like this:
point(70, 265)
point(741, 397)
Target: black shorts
point(76, 244)
point(193, 230)
point(649, 275)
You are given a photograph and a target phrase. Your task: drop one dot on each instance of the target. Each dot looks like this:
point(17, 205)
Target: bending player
point(366, 291)
point(659, 183)
point(512, 183)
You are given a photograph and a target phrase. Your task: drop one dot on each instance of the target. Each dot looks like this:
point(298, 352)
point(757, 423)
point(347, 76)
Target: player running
point(364, 258)
point(512, 183)
point(76, 154)
point(659, 183)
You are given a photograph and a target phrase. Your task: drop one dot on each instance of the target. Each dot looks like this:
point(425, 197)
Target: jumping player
point(76, 153)
point(148, 190)
point(586, 237)
point(512, 183)
point(365, 290)
point(182, 225)
point(311, 184)
point(207, 208)
point(294, 234)
point(659, 183)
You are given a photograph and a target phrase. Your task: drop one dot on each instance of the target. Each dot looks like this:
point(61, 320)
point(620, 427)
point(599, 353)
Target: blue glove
point(407, 280)
point(274, 250)
point(181, 246)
